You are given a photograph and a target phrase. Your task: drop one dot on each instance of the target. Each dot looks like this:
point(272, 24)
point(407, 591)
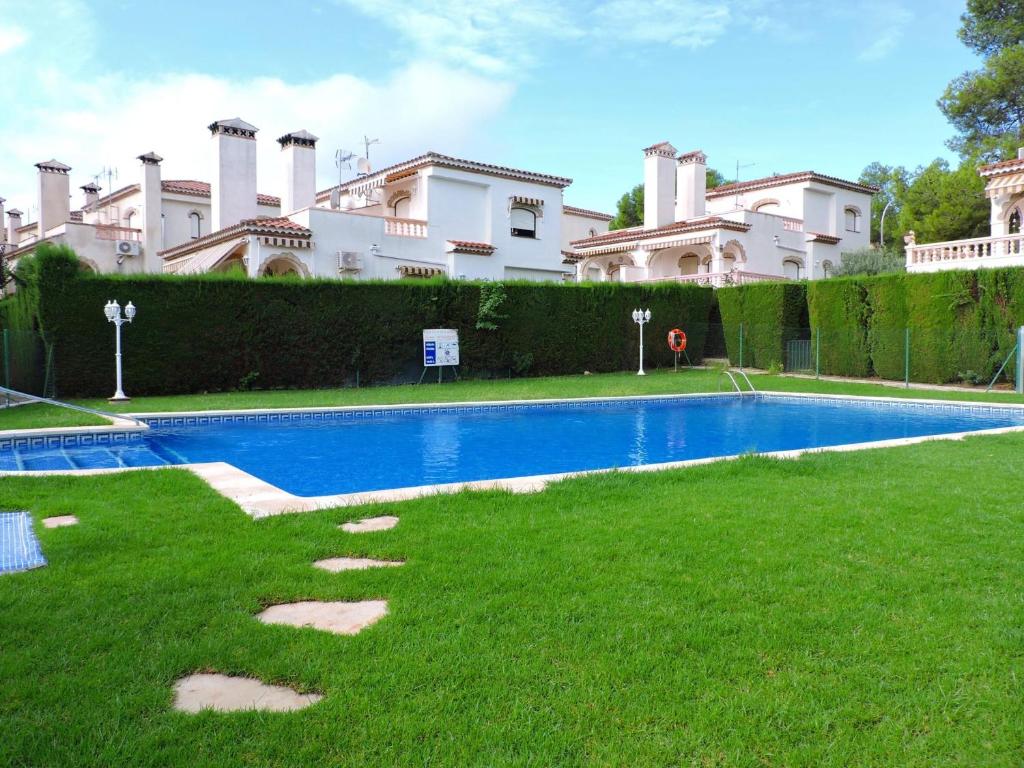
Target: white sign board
point(440, 347)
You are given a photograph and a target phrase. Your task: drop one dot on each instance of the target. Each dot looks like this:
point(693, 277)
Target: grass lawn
point(844, 609)
point(600, 385)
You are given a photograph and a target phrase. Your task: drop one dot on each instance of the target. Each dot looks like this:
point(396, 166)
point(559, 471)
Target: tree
point(872, 261)
point(892, 183)
point(987, 106)
point(629, 211)
point(990, 26)
point(942, 204)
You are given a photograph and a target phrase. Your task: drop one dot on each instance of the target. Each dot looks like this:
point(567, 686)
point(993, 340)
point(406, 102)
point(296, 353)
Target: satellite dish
point(363, 166)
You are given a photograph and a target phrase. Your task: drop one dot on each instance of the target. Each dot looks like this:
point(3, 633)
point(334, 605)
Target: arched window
point(593, 232)
point(1013, 227)
point(826, 269)
point(400, 207)
point(852, 216)
point(194, 225)
point(792, 268)
point(768, 205)
point(524, 223)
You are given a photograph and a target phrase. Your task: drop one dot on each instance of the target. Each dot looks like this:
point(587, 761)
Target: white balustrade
point(792, 225)
point(717, 279)
point(404, 227)
point(961, 250)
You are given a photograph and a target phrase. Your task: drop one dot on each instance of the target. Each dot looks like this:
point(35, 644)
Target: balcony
point(718, 279)
point(1003, 251)
point(404, 227)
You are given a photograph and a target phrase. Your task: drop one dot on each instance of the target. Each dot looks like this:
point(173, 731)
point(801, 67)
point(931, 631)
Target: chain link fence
point(27, 363)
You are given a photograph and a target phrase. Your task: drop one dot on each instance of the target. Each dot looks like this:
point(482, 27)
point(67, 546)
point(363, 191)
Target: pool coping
point(260, 499)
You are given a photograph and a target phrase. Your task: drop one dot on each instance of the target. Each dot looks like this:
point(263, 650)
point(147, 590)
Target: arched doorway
point(283, 265)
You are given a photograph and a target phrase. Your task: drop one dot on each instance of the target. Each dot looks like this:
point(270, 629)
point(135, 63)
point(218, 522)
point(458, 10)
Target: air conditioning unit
point(128, 248)
point(350, 261)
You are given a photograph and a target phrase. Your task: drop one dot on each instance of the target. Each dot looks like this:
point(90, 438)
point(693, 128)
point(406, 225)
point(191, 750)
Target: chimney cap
point(1020, 153)
point(696, 156)
point(662, 148)
point(235, 126)
point(150, 158)
point(92, 186)
point(53, 166)
point(15, 213)
point(301, 138)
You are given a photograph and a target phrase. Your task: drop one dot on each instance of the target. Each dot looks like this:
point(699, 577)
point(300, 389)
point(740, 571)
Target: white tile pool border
point(260, 499)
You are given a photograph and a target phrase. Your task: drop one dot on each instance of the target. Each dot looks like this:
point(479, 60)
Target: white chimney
point(3, 230)
point(233, 191)
point(659, 184)
point(1020, 153)
point(299, 152)
point(691, 185)
point(13, 222)
point(54, 195)
point(152, 212)
point(92, 194)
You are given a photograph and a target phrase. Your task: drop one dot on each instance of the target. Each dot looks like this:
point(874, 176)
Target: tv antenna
point(740, 167)
point(342, 158)
point(367, 143)
point(110, 174)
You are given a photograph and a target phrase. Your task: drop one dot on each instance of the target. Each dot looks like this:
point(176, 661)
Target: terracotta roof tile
point(789, 178)
point(572, 209)
point(1004, 166)
point(469, 246)
point(821, 237)
point(639, 233)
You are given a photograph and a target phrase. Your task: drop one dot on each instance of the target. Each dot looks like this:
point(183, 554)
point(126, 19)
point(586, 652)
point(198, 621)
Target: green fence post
point(741, 346)
point(906, 358)
point(817, 353)
point(7, 364)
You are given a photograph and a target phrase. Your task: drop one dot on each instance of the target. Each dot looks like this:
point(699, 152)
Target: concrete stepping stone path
point(59, 521)
point(223, 693)
point(370, 524)
point(337, 564)
point(338, 617)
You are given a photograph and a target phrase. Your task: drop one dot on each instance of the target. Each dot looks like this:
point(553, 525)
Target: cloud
point(11, 37)
point(678, 23)
point(887, 26)
point(108, 121)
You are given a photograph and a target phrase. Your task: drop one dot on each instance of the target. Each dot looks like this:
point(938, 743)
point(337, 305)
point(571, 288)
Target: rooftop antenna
point(110, 174)
point(342, 158)
point(739, 167)
point(367, 142)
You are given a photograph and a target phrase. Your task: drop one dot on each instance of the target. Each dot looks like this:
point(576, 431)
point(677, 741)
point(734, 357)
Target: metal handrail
point(733, 380)
point(746, 379)
point(80, 408)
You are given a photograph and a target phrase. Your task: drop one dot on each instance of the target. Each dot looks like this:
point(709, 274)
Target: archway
point(681, 260)
point(283, 265)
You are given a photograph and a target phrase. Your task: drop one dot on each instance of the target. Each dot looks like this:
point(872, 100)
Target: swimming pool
point(351, 450)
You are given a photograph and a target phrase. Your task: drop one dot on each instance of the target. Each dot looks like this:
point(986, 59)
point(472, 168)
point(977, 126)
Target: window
point(400, 208)
point(128, 216)
point(195, 229)
point(593, 232)
point(524, 223)
point(826, 269)
point(852, 220)
point(1014, 223)
point(791, 268)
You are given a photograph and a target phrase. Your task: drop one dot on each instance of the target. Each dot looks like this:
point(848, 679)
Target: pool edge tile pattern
point(226, 693)
point(19, 547)
point(340, 618)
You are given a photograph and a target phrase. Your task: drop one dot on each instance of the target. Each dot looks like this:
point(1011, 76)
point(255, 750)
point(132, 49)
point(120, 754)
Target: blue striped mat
point(19, 547)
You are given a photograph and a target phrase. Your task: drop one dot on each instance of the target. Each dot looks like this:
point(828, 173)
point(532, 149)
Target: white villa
point(794, 225)
point(430, 215)
point(1005, 245)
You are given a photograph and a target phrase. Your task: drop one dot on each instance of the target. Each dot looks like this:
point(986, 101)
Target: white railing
point(114, 232)
point(920, 256)
point(792, 225)
point(404, 227)
point(717, 279)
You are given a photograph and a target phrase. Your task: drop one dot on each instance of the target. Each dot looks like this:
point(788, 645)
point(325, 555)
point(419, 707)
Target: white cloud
point(11, 37)
point(888, 24)
point(679, 23)
point(108, 121)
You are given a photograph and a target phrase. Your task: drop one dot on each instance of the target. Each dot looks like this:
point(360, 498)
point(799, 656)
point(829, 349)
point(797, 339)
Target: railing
point(919, 256)
point(717, 279)
point(404, 227)
point(792, 225)
point(113, 232)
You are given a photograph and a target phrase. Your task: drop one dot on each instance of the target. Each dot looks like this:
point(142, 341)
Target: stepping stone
point(336, 564)
point(371, 524)
point(337, 617)
point(223, 693)
point(60, 521)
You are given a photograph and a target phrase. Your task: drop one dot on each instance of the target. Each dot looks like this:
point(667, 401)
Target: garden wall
point(222, 332)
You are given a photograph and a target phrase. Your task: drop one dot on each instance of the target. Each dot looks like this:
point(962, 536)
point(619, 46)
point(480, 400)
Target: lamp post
point(881, 226)
point(640, 317)
point(113, 312)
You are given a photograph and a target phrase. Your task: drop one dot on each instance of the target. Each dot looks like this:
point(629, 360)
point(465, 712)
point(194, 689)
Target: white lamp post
point(113, 312)
point(641, 316)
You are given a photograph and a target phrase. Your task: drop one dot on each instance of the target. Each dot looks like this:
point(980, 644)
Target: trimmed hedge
point(769, 314)
point(223, 332)
point(838, 313)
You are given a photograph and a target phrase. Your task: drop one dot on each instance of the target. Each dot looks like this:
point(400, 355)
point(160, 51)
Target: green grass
point(843, 609)
point(601, 385)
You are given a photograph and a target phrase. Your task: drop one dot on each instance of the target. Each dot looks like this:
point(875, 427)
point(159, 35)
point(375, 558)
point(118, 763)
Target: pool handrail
point(735, 384)
point(25, 396)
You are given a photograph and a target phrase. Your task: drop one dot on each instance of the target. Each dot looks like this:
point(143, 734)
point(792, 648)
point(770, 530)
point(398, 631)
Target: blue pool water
point(364, 450)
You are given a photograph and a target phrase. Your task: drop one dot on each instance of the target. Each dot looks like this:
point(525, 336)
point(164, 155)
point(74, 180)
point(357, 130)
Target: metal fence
point(27, 363)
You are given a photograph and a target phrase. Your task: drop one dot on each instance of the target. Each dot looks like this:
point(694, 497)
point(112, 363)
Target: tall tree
point(989, 26)
point(943, 204)
point(629, 211)
point(892, 183)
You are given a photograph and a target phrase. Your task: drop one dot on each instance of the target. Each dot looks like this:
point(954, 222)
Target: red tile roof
point(789, 178)
point(177, 187)
point(469, 246)
point(1005, 166)
point(821, 237)
point(573, 210)
point(638, 233)
point(260, 226)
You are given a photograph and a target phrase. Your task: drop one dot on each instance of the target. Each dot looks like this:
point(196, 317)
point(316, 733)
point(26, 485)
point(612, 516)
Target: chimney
point(13, 222)
point(659, 184)
point(92, 194)
point(152, 212)
point(691, 185)
point(1020, 153)
point(299, 150)
point(3, 230)
point(233, 191)
point(54, 195)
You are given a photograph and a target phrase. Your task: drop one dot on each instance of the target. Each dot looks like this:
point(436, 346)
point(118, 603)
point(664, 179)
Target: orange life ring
point(676, 340)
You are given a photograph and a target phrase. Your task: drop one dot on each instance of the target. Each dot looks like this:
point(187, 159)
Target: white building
point(1005, 245)
point(794, 225)
point(428, 216)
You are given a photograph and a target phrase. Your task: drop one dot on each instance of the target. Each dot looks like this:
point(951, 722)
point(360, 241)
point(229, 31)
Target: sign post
point(440, 349)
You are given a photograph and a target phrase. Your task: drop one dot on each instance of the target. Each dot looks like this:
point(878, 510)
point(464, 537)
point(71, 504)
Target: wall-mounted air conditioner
point(128, 248)
point(350, 261)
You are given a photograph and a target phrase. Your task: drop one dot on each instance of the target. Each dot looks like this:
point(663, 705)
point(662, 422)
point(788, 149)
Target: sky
point(562, 87)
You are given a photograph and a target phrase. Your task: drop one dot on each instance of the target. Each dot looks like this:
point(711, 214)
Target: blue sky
point(571, 88)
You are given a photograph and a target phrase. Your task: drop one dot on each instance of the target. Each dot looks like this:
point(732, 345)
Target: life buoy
point(676, 340)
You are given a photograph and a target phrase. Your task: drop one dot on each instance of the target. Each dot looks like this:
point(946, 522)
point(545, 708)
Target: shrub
point(768, 314)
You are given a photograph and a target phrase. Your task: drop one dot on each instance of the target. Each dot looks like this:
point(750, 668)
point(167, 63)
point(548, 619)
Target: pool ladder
point(736, 385)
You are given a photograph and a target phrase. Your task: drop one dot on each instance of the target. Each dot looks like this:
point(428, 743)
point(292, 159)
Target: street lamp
point(113, 312)
point(640, 317)
point(881, 227)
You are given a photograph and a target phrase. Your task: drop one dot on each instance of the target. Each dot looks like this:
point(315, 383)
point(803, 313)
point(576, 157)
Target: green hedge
point(222, 332)
point(838, 313)
point(768, 314)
